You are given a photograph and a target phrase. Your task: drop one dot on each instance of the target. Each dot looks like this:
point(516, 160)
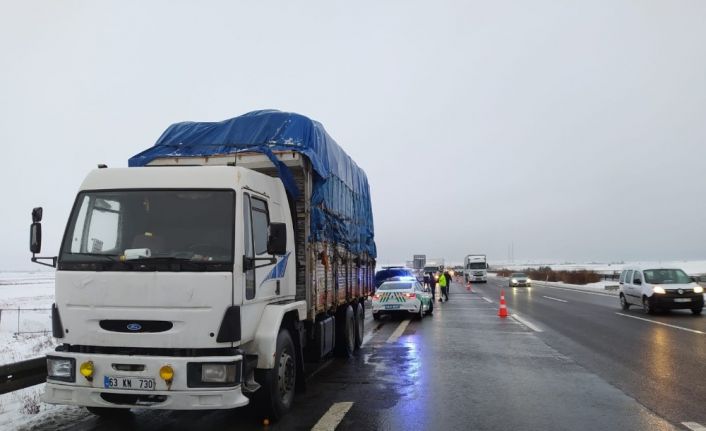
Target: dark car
point(396, 273)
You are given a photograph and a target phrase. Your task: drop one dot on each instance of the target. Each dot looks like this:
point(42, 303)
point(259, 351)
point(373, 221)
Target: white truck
point(475, 268)
point(208, 272)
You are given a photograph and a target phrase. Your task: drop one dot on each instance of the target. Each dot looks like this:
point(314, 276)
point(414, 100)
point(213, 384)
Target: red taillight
point(410, 295)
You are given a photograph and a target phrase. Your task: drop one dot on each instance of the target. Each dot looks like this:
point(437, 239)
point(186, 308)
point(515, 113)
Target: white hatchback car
point(402, 297)
point(660, 289)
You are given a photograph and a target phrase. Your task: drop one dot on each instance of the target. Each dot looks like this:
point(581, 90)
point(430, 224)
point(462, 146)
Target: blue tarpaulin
point(340, 202)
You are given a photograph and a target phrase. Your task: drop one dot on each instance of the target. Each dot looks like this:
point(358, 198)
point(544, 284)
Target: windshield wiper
point(106, 257)
point(160, 259)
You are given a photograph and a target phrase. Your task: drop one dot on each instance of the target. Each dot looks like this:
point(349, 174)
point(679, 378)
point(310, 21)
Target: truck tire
point(359, 325)
point(275, 397)
point(345, 331)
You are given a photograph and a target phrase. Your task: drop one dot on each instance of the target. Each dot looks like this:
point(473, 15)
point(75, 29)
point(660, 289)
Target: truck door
point(258, 287)
point(256, 211)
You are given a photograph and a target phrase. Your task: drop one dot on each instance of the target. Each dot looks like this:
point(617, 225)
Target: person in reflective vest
point(444, 285)
point(448, 284)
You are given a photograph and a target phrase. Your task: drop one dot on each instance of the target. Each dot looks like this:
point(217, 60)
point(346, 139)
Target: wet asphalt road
point(465, 368)
point(663, 367)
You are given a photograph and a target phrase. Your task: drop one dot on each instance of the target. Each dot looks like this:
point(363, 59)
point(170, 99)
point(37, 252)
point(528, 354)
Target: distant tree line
point(545, 273)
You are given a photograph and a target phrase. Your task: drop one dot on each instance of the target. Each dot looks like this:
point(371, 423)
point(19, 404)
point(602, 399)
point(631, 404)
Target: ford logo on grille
point(134, 327)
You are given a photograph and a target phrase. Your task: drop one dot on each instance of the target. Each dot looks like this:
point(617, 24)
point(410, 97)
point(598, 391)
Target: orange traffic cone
point(469, 287)
point(502, 312)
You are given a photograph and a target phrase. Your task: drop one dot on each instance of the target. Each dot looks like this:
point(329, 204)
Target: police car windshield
point(392, 272)
point(666, 276)
point(395, 286)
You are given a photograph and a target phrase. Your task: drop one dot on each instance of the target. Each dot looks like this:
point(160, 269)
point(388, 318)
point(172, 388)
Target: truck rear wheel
point(359, 324)
point(345, 331)
point(276, 395)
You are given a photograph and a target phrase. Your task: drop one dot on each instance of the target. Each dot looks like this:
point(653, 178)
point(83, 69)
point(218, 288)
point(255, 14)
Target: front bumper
point(521, 284)
point(671, 301)
point(176, 396)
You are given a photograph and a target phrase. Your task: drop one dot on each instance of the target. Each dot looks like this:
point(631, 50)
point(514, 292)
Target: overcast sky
point(574, 129)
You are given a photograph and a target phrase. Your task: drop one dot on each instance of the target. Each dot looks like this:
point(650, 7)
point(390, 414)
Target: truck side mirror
point(37, 214)
point(277, 239)
point(35, 237)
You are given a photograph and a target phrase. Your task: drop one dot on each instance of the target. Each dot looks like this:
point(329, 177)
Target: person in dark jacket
point(431, 284)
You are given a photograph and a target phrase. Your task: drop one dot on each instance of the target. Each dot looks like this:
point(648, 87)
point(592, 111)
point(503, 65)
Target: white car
point(402, 297)
point(660, 289)
point(519, 279)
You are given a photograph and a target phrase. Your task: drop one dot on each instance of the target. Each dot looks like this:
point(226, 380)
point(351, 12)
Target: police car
point(402, 295)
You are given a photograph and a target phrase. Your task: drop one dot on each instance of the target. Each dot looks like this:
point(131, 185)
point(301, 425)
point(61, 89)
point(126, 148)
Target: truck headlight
point(658, 289)
point(698, 289)
point(63, 369)
point(200, 375)
point(218, 373)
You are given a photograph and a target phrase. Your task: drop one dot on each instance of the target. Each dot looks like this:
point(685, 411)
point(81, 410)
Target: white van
point(660, 289)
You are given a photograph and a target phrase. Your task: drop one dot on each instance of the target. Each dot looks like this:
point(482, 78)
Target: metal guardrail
point(23, 374)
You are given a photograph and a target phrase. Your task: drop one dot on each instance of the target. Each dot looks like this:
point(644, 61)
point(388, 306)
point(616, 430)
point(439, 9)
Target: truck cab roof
point(180, 177)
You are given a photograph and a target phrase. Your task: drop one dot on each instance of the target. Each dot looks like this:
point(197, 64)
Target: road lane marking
point(369, 336)
point(554, 299)
point(577, 290)
point(370, 325)
point(526, 323)
point(330, 420)
point(694, 426)
point(663, 324)
point(398, 332)
point(487, 299)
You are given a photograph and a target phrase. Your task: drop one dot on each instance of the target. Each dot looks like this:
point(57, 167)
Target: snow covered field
point(24, 290)
point(33, 294)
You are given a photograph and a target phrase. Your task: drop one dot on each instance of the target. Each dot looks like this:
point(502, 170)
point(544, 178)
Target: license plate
point(682, 299)
point(135, 383)
point(392, 307)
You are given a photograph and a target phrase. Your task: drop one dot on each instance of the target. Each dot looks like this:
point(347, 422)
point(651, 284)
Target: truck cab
point(171, 267)
point(476, 268)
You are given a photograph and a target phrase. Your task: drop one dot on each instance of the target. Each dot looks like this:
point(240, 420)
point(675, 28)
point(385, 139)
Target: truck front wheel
point(275, 397)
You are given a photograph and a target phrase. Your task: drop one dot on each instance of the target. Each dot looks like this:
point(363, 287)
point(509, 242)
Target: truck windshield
point(666, 276)
point(173, 230)
point(476, 265)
